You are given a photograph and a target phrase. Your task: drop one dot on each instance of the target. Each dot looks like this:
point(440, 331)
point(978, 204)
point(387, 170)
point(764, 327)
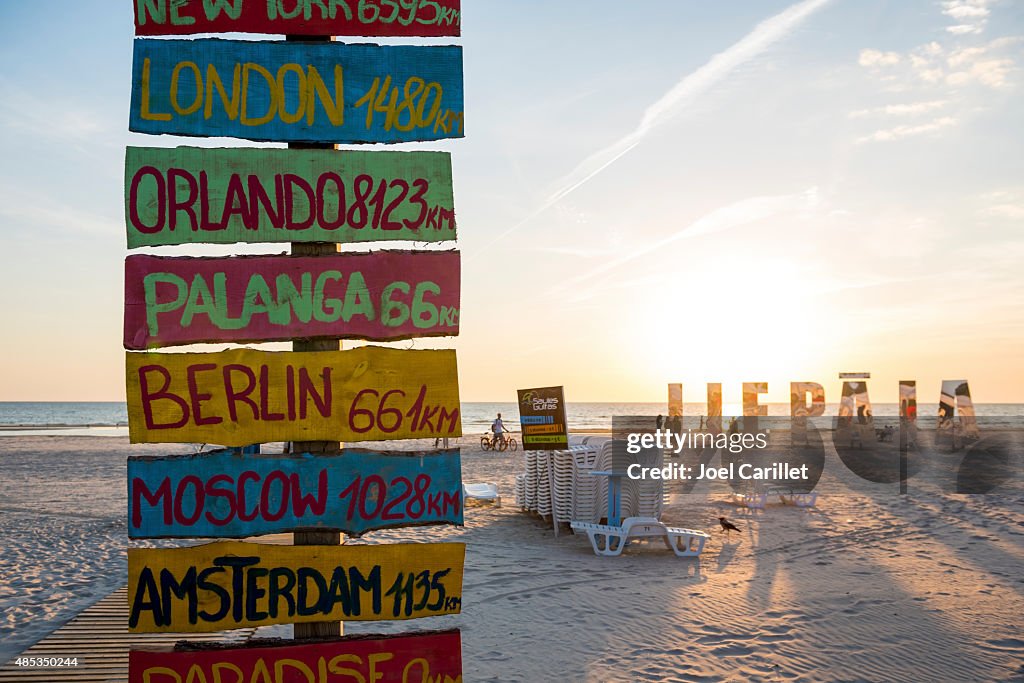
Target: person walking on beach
point(498, 430)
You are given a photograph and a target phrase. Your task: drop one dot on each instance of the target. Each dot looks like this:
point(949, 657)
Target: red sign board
point(426, 18)
point(424, 656)
point(380, 296)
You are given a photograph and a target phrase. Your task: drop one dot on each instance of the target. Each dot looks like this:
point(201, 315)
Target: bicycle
point(489, 443)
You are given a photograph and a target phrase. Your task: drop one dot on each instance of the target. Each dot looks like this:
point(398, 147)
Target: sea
point(110, 418)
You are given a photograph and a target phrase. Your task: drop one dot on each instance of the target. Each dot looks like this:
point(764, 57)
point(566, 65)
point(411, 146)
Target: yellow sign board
point(243, 396)
point(231, 584)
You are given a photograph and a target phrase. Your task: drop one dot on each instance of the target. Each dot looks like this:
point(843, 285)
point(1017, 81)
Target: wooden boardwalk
point(99, 638)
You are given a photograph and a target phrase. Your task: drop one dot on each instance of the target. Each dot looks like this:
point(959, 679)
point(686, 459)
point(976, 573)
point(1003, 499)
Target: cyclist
point(498, 430)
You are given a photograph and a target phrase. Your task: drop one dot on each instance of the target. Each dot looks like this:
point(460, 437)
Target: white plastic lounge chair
point(787, 496)
point(755, 500)
point(486, 492)
point(801, 500)
point(610, 541)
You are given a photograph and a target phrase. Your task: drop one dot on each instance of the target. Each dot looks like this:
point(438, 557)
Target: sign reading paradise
point(230, 584)
point(384, 295)
point(297, 92)
point(424, 656)
point(542, 417)
point(427, 18)
point(243, 396)
point(187, 195)
point(223, 495)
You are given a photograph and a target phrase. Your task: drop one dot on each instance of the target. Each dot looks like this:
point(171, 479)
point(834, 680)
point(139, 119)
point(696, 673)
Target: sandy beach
point(923, 587)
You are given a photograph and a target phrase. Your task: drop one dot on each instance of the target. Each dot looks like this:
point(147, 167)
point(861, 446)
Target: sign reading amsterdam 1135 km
point(243, 396)
point(188, 195)
point(426, 18)
point(230, 584)
point(297, 92)
point(381, 295)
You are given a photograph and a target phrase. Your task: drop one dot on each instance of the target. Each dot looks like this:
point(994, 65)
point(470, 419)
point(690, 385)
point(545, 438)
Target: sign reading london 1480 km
point(426, 18)
point(230, 584)
point(383, 295)
point(297, 92)
point(186, 195)
point(223, 495)
point(542, 416)
point(243, 396)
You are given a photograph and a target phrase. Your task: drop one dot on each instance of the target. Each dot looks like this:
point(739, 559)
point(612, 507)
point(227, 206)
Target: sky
point(667, 191)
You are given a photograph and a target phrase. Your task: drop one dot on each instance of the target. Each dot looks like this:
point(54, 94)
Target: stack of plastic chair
point(521, 490)
point(530, 495)
point(543, 495)
point(562, 462)
point(584, 484)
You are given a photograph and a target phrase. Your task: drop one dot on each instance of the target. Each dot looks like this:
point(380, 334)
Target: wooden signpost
point(384, 295)
point(424, 656)
point(191, 195)
point(413, 18)
point(231, 584)
point(282, 91)
point(311, 93)
point(243, 396)
point(223, 495)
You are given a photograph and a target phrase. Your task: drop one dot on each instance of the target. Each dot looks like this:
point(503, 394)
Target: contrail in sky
point(682, 94)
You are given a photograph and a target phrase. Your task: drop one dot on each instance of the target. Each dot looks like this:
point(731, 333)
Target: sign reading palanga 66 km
point(382, 295)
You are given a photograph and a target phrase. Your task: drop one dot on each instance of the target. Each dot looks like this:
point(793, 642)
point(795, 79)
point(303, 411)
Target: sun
point(744, 320)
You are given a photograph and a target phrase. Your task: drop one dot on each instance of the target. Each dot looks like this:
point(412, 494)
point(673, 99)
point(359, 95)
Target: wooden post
point(317, 629)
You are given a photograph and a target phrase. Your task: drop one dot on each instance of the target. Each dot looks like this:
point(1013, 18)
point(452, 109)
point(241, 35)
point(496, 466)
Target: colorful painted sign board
point(382, 295)
point(221, 494)
point(422, 18)
point(542, 417)
point(243, 396)
point(419, 656)
point(280, 91)
point(191, 195)
point(231, 584)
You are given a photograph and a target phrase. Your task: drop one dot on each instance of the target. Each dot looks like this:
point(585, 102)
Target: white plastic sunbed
point(610, 540)
point(486, 492)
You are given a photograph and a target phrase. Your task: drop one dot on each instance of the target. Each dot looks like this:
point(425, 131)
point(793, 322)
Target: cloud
point(692, 86)
point(1003, 204)
point(875, 58)
point(898, 132)
point(908, 109)
point(731, 216)
point(1012, 211)
point(684, 93)
point(51, 215)
point(971, 15)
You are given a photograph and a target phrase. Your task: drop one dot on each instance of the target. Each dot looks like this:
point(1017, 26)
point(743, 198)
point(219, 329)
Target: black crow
point(727, 526)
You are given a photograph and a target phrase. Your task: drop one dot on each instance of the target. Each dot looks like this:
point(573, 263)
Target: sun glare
point(746, 322)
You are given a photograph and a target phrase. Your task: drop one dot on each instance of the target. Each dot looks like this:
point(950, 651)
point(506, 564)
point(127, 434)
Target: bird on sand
point(727, 526)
